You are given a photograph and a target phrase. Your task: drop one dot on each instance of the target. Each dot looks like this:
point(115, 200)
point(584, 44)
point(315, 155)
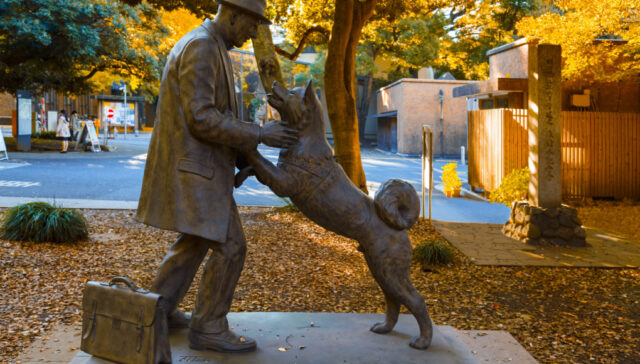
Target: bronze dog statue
point(308, 174)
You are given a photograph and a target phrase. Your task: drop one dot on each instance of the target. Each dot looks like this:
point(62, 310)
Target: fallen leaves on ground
point(572, 315)
point(622, 217)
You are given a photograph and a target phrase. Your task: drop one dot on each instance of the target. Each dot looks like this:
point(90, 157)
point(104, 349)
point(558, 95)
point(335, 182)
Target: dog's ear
point(309, 93)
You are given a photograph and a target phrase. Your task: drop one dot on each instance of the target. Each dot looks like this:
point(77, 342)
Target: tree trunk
point(363, 107)
point(339, 80)
point(266, 59)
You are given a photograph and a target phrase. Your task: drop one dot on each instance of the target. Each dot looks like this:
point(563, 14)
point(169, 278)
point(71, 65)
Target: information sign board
point(23, 105)
point(88, 130)
point(24, 116)
point(3, 147)
point(93, 136)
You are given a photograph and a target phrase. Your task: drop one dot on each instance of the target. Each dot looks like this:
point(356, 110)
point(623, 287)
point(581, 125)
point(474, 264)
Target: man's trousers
point(221, 273)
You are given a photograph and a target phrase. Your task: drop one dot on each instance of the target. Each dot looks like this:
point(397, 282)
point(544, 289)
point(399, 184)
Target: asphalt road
point(117, 176)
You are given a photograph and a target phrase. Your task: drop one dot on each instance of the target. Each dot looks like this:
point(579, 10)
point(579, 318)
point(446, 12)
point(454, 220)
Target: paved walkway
point(112, 180)
point(485, 244)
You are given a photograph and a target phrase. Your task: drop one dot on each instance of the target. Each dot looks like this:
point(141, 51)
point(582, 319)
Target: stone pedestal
point(301, 337)
point(557, 226)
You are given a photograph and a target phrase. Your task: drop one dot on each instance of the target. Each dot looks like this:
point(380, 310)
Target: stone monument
point(544, 220)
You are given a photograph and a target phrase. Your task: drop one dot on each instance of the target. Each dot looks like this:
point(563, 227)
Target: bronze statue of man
point(189, 175)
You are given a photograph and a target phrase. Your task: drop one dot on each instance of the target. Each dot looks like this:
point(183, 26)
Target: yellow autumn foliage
point(600, 39)
point(179, 22)
point(450, 177)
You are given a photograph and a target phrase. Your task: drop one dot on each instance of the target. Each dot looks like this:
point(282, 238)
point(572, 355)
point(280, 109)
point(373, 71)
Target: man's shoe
point(179, 320)
point(226, 342)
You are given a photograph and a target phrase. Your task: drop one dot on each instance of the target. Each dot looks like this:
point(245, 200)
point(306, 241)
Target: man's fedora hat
point(253, 7)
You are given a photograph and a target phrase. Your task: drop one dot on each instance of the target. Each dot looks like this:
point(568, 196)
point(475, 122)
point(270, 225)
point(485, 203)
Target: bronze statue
point(189, 174)
point(317, 185)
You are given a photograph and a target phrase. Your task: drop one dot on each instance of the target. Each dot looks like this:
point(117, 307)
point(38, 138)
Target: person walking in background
point(75, 123)
point(62, 131)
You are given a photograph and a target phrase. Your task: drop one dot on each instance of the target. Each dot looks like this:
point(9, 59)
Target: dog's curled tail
point(397, 204)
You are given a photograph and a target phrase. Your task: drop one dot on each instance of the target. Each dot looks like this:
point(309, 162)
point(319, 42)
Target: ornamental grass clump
point(433, 253)
point(41, 222)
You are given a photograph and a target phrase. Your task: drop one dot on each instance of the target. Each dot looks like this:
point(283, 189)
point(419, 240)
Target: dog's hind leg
point(391, 316)
point(403, 291)
point(392, 272)
point(415, 303)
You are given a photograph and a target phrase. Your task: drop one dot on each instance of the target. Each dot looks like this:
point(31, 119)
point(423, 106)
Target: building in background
point(404, 106)
point(87, 106)
point(507, 86)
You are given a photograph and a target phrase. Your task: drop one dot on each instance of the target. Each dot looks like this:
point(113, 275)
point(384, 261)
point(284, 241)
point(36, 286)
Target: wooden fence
point(600, 151)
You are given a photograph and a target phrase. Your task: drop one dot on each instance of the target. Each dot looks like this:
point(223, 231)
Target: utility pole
point(441, 124)
point(124, 112)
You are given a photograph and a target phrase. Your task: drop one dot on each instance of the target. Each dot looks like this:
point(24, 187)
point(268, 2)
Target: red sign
point(110, 113)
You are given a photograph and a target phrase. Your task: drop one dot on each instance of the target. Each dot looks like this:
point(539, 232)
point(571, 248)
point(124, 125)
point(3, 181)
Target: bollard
point(462, 156)
point(427, 166)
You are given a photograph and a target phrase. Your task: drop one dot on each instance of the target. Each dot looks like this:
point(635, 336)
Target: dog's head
point(298, 106)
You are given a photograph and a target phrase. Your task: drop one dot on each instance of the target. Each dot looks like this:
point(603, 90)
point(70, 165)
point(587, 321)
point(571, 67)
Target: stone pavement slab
point(495, 347)
point(485, 244)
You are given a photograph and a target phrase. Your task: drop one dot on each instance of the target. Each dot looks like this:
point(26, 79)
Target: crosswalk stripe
point(18, 184)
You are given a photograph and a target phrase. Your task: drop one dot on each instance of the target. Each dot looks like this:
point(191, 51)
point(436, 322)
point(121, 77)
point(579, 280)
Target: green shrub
point(433, 252)
point(41, 222)
point(44, 135)
point(514, 187)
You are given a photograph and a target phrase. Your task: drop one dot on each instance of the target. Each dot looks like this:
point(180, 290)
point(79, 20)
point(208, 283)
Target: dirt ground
point(560, 315)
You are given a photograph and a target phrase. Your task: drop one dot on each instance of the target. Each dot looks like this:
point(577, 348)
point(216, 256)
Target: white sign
point(88, 130)
point(24, 116)
point(93, 136)
point(3, 147)
point(52, 120)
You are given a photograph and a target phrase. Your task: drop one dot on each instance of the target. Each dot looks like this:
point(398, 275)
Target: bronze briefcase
point(124, 324)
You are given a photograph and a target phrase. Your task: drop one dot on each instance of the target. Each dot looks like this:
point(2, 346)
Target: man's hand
point(278, 135)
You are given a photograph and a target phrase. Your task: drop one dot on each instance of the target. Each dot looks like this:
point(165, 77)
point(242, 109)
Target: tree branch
point(91, 74)
point(453, 15)
point(293, 56)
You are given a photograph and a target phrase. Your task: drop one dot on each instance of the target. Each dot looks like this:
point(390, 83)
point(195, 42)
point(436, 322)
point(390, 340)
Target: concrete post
point(544, 124)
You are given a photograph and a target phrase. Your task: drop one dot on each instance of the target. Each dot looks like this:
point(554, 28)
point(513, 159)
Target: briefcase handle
point(126, 281)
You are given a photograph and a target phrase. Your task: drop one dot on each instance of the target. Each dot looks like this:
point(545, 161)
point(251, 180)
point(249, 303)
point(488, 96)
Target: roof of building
point(506, 47)
point(492, 86)
point(117, 98)
point(424, 80)
point(447, 76)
